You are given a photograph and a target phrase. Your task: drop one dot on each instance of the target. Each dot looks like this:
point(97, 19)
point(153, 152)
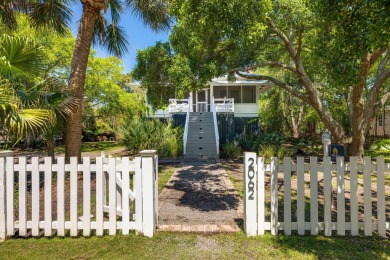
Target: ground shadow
point(203, 189)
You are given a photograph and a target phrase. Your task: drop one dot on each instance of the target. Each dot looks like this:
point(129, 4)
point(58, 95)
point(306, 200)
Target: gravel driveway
point(199, 193)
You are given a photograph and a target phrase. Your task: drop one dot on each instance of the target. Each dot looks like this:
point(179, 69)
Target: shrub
point(250, 142)
point(144, 134)
point(171, 144)
point(308, 145)
point(271, 139)
point(281, 153)
point(231, 150)
point(267, 151)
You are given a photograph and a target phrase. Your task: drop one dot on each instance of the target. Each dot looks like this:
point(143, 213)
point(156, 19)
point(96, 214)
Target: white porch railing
point(123, 191)
point(224, 105)
point(178, 105)
point(213, 110)
point(333, 195)
point(185, 135)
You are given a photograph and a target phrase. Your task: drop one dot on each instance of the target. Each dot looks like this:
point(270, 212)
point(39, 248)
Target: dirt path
point(199, 197)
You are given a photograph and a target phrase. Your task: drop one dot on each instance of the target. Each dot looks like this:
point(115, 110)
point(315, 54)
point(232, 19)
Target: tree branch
point(300, 39)
point(291, 33)
point(367, 61)
point(383, 63)
point(384, 98)
point(283, 37)
point(376, 54)
point(268, 64)
point(278, 83)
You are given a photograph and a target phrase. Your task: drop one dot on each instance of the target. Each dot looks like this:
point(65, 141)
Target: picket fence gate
point(124, 194)
point(257, 202)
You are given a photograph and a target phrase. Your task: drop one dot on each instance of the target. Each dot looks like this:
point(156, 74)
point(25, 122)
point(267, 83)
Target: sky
point(138, 36)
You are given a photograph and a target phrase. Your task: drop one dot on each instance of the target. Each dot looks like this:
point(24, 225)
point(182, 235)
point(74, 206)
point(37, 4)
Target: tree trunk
point(384, 121)
point(77, 79)
point(50, 145)
point(297, 122)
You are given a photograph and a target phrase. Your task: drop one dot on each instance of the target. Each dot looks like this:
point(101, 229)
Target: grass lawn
point(94, 146)
point(192, 246)
point(165, 173)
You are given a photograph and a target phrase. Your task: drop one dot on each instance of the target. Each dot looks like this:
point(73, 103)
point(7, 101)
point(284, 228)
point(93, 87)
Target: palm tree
point(28, 105)
point(94, 27)
point(19, 62)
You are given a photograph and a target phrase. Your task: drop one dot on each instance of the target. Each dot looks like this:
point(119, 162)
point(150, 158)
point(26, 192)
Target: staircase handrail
point(185, 136)
point(213, 110)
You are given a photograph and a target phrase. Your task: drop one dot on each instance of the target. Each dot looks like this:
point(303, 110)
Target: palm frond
point(51, 13)
point(55, 97)
point(30, 120)
point(28, 98)
point(116, 9)
point(99, 31)
point(154, 13)
point(19, 56)
point(66, 105)
point(115, 40)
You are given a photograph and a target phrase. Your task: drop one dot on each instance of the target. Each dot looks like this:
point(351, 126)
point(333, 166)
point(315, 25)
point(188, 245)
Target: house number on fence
point(251, 176)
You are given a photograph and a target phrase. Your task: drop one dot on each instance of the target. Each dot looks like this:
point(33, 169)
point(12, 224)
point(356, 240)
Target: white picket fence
point(341, 196)
point(55, 197)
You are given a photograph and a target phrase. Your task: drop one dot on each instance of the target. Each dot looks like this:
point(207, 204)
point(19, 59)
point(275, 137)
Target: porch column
point(196, 102)
point(191, 101)
point(206, 93)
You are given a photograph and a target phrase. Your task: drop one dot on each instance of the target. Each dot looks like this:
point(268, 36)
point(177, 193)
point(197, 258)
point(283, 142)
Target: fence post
point(148, 192)
point(260, 196)
point(274, 196)
point(2, 199)
point(250, 193)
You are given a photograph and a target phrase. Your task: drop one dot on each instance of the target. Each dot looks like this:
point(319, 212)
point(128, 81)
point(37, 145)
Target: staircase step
point(201, 121)
point(197, 156)
point(199, 141)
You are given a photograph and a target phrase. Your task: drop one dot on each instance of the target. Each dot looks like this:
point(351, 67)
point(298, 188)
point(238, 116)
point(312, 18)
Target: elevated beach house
point(216, 115)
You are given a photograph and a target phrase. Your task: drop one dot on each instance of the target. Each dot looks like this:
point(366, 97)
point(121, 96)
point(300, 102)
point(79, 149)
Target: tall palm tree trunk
point(77, 78)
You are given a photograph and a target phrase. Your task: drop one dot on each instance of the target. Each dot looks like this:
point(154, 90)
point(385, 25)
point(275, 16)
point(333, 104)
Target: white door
point(202, 101)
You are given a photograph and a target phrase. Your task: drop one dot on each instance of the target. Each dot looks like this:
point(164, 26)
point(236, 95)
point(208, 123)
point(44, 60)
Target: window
point(249, 94)
point(380, 120)
point(235, 92)
point(220, 91)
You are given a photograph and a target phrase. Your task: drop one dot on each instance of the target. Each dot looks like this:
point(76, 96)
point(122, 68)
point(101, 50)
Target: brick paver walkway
point(200, 198)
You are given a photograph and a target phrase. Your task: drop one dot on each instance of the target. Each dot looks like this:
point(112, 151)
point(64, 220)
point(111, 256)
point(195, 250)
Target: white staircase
point(201, 138)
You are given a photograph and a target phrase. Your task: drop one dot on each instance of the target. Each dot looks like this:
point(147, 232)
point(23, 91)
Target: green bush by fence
point(143, 134)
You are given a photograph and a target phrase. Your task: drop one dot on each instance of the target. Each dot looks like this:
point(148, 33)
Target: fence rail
point(315, 197)
point(56, 197)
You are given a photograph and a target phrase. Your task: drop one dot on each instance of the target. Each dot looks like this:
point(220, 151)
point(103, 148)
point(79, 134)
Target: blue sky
point(138, 36)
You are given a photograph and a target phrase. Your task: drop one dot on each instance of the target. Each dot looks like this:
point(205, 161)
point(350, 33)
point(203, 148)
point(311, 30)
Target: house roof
point(240, 81)
point(223, 81)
